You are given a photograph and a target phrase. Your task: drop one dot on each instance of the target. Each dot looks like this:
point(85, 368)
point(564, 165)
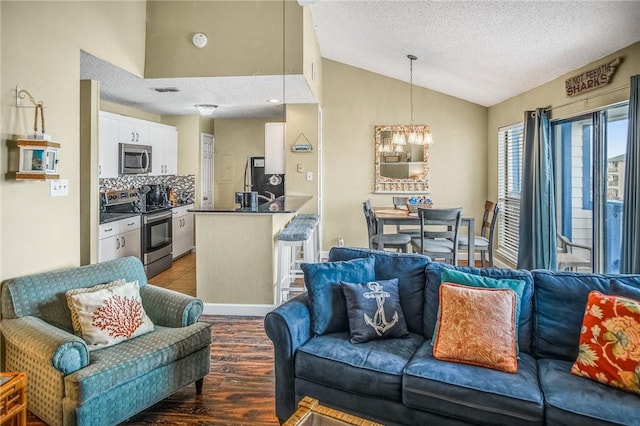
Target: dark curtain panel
point(537, 245)
point(630, 262)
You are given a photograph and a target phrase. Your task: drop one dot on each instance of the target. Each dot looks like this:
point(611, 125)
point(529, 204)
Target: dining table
point(393, 216)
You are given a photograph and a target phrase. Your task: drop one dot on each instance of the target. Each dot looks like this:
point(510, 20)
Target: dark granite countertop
point(284, 204)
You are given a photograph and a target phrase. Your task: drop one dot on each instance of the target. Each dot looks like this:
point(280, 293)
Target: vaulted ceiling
point(481, 51)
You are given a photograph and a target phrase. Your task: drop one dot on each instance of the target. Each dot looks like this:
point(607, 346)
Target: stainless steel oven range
point(157, 246)
point(157, 218)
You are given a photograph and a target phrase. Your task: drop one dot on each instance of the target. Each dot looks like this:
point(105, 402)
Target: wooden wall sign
point(591, 79)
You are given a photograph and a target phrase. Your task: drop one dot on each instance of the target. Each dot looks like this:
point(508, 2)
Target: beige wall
point(235, 140)
point(552, 94)
point(354, 101)
point(244, 38)
point(302, 121)
point(41, 44)
point(312, 61)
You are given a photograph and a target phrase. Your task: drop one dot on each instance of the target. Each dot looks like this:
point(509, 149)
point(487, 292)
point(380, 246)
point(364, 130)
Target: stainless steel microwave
point(134, 159)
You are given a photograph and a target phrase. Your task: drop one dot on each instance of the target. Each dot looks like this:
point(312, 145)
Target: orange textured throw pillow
point(609, 350)
point(477, 326)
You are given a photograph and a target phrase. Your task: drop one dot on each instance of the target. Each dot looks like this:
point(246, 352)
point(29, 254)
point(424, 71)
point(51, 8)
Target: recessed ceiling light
point(274, 101)
point(166, 89)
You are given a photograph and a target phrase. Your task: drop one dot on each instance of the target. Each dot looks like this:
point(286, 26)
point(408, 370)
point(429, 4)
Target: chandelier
point(416, 136)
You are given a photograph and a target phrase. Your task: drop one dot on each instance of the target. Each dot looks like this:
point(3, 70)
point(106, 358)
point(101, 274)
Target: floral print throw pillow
point(477, 326)
point(609, 349)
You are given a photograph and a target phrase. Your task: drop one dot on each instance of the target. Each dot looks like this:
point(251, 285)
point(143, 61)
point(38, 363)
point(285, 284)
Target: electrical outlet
point(309, 176)
point(300, 168)
point(59, 187)
point(340, 242)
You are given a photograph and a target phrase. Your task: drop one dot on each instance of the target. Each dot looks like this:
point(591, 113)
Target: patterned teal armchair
point(67, 384)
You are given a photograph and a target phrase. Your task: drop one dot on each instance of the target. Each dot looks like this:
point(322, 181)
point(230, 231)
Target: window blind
point(510, 141)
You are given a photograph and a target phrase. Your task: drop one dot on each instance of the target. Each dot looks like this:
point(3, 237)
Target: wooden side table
point(13, 399)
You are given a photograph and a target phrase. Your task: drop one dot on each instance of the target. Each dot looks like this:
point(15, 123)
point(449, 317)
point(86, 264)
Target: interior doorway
point(206, 171)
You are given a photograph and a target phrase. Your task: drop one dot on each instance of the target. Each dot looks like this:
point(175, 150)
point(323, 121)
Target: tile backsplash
point(183, 185)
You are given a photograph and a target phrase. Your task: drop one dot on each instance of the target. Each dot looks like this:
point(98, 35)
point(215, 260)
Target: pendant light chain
point(411, 59)
point(284, 42)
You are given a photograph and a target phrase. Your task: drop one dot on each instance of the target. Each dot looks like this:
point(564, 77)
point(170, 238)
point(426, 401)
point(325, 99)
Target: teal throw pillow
point(327, 305)
point(478, 281)
point(374, 311)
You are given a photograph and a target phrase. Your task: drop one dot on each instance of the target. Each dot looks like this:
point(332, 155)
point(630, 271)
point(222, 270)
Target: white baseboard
point(236, 309)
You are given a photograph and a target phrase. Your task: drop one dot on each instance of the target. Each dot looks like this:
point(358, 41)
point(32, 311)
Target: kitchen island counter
point(236, 259)
point(284, 204)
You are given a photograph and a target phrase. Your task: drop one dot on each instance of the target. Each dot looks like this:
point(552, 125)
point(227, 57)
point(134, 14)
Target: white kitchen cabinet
point(164, 140)
point(132, 130)
point(119, 239)
point(274, 135)
point(107, 146)
point(170, 152)
point(183, 236)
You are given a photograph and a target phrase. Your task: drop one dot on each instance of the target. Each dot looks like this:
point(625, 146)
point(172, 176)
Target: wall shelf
point(301, 144)
point(38, 159)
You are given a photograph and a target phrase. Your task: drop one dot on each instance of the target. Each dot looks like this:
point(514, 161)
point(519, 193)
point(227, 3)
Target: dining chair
point(440, 229)
point(567, 260)
point(393, 241)
point(484, 241)
point(400, 203)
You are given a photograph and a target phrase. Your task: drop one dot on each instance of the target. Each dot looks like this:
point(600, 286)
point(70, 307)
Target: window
point(510, 140)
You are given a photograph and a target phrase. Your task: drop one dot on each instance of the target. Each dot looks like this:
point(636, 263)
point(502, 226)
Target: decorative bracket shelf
point(302, 144)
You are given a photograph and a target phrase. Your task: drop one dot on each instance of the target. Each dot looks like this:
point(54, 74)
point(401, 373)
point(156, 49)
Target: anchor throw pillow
point(373, 310)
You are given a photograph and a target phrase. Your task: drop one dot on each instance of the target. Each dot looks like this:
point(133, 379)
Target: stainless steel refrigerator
point(266, 185)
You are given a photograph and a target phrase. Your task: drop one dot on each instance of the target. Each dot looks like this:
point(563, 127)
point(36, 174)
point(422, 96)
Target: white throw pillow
point(75, 322)
point(111, 315)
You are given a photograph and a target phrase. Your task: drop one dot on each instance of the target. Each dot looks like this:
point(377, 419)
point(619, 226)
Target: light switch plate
point(59, 187)
point(309, 176)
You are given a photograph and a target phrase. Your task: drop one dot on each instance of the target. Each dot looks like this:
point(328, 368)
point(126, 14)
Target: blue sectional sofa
point(67, 384)
point(398, 381)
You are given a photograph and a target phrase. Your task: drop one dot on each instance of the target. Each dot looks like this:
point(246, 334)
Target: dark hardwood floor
point(240, 388)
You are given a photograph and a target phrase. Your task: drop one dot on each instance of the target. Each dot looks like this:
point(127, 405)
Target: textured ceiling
point(480, 51)
point(236, 97)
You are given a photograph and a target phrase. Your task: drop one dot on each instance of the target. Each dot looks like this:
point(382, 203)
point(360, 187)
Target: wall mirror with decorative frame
point(401, 166)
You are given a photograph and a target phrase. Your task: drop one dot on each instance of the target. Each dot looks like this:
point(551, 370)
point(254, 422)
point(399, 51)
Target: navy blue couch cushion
point(619, 289)
point(327, 305)
point(573, 400)
point(474, 394)
point(409, 268)
point(432, 291)
point(560, 301)
point(373, 368)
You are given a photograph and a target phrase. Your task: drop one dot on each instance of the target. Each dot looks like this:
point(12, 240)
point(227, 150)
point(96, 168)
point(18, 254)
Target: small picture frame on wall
point(391, 158)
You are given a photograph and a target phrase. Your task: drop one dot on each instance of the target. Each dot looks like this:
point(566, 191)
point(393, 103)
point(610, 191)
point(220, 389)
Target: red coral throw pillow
point(609, 350)
point(111, 315)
